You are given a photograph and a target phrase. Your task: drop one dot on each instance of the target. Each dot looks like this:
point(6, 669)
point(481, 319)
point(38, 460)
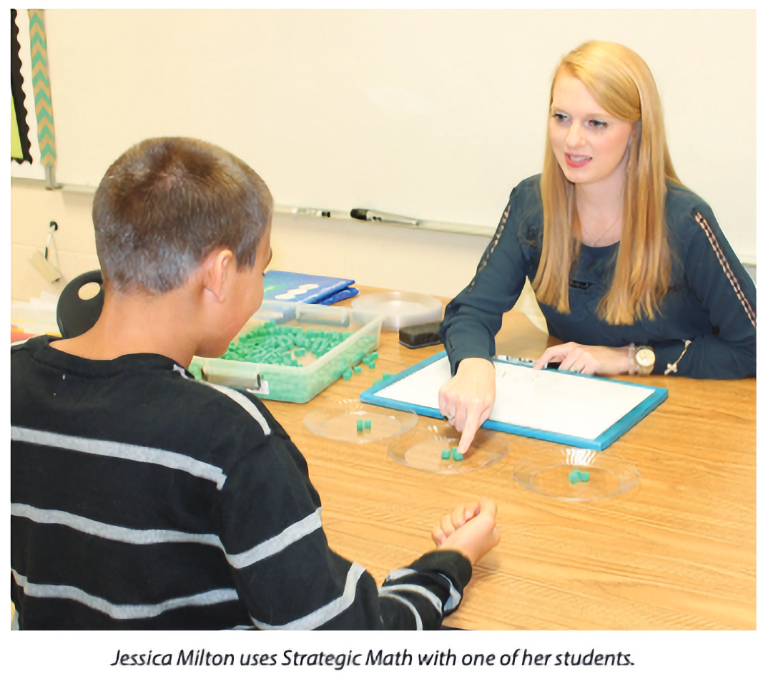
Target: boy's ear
point(218, 268)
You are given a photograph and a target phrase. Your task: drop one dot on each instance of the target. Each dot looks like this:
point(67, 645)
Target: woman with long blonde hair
point(630, 269)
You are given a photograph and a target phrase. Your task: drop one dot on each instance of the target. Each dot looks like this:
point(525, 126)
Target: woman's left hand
point(603, 360)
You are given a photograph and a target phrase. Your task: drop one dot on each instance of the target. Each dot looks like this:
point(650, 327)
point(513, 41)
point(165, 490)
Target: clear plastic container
point(298, 384)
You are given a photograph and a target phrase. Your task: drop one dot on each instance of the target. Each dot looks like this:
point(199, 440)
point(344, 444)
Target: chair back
point(74, 315)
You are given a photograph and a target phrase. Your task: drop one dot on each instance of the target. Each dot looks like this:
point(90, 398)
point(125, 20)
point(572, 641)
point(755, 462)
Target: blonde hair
point(622, 84)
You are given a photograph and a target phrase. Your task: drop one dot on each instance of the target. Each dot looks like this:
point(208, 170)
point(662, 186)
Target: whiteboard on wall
point(432, 114)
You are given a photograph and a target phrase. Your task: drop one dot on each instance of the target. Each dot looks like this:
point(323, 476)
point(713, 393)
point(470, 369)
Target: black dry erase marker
point(376, 216)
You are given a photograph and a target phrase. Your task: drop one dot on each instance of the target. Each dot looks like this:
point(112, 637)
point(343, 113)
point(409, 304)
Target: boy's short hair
point(167, 203)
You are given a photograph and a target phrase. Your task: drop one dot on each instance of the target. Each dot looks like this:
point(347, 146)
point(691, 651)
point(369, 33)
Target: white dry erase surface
point(573, 409)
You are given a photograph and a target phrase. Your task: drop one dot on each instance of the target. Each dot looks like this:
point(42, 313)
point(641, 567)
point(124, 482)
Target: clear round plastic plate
point(422, 448)
point(549, 472)
point(339, 421)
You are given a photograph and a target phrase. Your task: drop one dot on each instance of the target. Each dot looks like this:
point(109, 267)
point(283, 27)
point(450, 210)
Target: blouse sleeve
point(727, 293)
point(473, 318)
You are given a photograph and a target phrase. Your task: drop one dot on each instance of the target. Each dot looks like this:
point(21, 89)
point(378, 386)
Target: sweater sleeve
point(473, 318)
point(726, 291)
point(286, 575)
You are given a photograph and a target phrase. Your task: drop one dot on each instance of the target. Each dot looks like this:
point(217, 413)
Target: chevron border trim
point(46, 134)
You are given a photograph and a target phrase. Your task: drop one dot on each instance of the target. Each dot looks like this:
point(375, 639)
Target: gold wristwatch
point(645, 359)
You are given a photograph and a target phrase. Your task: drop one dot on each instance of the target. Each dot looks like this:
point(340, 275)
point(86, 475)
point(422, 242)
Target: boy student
point(144, 499)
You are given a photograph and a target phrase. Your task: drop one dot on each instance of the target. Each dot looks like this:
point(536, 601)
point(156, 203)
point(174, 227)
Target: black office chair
point(75, 315)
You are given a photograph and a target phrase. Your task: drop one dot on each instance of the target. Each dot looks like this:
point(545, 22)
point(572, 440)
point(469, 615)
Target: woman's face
point(589, 144)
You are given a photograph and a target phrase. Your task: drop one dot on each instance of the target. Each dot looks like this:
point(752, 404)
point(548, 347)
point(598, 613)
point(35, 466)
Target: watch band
point(631, 351)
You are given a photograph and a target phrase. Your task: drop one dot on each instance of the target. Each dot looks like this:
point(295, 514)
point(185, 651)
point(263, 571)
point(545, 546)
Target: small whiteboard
point(573, 409)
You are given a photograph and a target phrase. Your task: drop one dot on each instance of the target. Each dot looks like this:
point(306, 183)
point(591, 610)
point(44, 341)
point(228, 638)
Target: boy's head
point(167, 203)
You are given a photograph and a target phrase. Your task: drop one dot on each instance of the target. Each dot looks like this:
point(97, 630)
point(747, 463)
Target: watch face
point(645, 357)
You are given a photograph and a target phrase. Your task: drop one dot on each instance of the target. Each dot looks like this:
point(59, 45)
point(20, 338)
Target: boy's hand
point(470, 529)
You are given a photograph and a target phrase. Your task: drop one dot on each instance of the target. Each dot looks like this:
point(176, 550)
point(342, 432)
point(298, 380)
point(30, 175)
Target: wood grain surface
point(676, 552)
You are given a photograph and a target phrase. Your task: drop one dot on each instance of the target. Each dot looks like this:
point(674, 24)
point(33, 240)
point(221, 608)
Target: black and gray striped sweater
point(143, 499)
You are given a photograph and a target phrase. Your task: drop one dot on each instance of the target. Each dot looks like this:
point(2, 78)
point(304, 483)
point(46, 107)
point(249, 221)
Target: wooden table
point(676, 552)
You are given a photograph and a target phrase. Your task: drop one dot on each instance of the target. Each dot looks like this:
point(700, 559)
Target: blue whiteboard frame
point(376, 396)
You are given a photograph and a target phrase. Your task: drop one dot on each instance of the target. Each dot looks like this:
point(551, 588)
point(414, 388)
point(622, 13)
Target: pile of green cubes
point(284, 345)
